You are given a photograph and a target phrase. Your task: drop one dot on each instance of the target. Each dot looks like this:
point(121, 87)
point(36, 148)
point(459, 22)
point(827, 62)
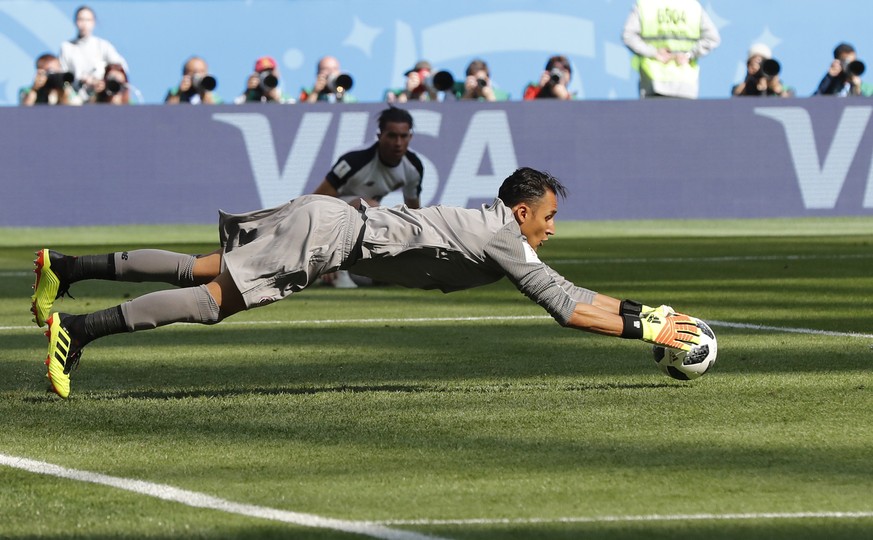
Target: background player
point(370, 174)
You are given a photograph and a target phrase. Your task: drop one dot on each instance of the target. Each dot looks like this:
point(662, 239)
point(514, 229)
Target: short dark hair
point(43, 58)
point(394, 114)
point(528, 185)
point(843, 48)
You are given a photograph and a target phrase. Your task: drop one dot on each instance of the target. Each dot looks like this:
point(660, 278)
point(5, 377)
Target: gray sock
point(191, 305)
point(155, 265)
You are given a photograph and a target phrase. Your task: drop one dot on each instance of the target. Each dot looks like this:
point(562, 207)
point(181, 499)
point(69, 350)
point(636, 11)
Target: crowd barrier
point(740, 158)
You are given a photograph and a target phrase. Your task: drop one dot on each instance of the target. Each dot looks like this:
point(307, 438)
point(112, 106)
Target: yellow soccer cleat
point(63, 356)
point(48, 286)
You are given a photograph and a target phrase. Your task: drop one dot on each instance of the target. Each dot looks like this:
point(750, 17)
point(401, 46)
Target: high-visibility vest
point(673, 25)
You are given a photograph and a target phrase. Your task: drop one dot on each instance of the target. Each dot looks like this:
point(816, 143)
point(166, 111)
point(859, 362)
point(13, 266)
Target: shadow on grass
point(314, 390)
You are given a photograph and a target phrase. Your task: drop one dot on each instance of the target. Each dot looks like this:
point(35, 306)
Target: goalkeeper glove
point(659, 328)
point(676, 331)
point(662, 310)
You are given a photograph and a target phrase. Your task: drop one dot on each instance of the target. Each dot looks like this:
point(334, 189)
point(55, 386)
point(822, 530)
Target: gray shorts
point(274, 252)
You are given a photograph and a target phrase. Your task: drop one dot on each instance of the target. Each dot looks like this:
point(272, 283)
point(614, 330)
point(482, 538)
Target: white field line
point(375, 529)
point(629, 519)
point(508, 318)
point(202, 500)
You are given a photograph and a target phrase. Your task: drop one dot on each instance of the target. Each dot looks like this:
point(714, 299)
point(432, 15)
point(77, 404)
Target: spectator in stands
point(264, 85)
point(422, 84)
point(553, 81)
point(113, 88)
point(667, 38)
point(87, 56)
point(373, 172)
point(762, 75)
point(844, 75)
point(197, 85)
point(331, 84)
point(51, 85)
point(477, 85)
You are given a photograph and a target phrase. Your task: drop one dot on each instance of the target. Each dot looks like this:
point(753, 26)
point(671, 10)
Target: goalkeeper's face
point(537, 220)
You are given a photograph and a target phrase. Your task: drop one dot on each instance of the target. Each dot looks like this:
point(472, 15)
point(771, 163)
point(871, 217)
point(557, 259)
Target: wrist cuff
point(632, 328)
point(630, 307)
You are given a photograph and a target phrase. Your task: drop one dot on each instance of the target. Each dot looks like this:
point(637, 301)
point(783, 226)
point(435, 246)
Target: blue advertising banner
point(745, 158)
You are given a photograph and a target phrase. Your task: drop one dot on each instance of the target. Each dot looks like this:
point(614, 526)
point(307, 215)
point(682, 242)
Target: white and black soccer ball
point(686, 366)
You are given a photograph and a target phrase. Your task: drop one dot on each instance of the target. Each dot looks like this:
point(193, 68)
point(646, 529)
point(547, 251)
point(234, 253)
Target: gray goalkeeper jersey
point(275, 252)
point(451, 249)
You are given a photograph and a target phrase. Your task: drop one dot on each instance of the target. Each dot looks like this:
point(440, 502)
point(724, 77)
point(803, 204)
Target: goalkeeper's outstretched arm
point(633, 320)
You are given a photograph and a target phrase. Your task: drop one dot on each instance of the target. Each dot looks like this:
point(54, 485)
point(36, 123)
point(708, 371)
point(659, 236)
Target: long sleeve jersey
point(451, 249)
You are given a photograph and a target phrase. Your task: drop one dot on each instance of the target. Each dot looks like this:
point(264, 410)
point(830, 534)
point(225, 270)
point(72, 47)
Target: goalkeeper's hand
point(662, 310)
point(672, 330)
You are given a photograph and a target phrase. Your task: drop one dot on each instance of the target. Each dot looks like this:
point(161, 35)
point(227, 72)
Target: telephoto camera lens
point(770, 68)
point(113, 86)
point(443, 80)
point(340, 83)
point(204, 83)
point(856, 67)
point(268, 80)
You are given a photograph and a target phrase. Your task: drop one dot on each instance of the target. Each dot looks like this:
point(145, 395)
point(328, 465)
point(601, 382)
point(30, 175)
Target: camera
point(438, 82)
point(203, 83)
point(770, 68)
point(855, 67)
point(340, 83)
point(55, 80)
point(555, 76)
point(269, 81)
point(113, 86)
point(441, 81)
point(482, 83)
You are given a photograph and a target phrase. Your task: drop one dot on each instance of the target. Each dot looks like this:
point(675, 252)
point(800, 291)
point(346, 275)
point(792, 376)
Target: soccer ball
point(686, 366)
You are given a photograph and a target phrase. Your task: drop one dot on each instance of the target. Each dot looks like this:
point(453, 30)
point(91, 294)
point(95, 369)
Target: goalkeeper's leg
point(55, 272)
point(69, 334)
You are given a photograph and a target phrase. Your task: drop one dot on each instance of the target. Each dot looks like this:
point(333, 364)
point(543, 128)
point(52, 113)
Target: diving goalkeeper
point(269, 254)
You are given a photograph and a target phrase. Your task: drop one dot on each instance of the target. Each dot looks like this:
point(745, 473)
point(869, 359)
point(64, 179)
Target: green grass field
point(404, 414)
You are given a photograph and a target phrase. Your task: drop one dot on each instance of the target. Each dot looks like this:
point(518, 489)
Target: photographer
point(417, 87)
point(113, 88)
point(553, 81)
point(263, 85)
point(51, 85)
point(477, 85)
point(844, 76)
point(762, 75)
point(197, 85)
point(331, 84)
